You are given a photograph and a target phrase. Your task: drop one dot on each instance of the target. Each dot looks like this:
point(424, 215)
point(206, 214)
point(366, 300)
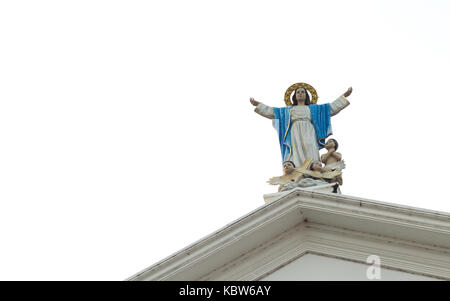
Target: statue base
point(328, 188)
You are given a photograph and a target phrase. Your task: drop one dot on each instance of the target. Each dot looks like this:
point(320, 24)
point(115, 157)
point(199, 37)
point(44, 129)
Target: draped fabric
point(300, 128)
point(320, 117)
point(282, 124)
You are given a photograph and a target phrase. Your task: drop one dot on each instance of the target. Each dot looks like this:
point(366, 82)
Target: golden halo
point(287, 95)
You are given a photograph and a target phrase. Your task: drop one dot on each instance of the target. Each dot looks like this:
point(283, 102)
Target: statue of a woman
point(303, 126)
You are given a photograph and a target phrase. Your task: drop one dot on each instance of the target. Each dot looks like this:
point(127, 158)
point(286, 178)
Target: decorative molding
point(231, 236)
point(407, 238)
point(354, 246)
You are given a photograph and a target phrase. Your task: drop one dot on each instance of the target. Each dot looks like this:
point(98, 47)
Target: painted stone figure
point(311, 173)
point(288, 179)
point(302, 125)
point(333, 160)
point(313, 176)
point(316, 171)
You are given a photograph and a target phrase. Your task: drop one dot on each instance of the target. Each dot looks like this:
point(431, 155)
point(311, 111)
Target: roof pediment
point(301, 221)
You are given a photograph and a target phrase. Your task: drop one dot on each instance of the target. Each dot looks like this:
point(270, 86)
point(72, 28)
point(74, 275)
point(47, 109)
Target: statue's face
point(330, 144)
point(300, 95)
point(316, 166)
point(287, 166)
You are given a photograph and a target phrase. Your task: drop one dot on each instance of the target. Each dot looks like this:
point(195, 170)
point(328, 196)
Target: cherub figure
point(310, 173)
point(333, 160)
point(313, 176)
point(288, 179)
point(316, 166)
point(316, 171)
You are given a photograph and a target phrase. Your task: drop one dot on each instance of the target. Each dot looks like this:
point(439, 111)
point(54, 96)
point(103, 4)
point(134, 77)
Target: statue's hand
point(349, 91)
point(254, 102)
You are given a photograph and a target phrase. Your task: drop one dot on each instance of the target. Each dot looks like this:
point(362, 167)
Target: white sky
point(126, 131)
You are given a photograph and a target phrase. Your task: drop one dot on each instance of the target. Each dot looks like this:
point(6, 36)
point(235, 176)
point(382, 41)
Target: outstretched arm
point(262, 109)
point(254, 102)
point(348, 92)
point(340, 103)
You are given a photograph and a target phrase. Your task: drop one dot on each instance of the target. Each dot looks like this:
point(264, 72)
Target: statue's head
point(288, 166)
point(300, 94)
point(316, 166)
point(331, 143)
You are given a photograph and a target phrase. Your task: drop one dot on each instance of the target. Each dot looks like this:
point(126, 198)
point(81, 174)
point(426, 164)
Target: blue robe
point(321, 120)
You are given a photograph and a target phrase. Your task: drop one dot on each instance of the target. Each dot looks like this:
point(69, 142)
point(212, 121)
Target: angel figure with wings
point(310, 173)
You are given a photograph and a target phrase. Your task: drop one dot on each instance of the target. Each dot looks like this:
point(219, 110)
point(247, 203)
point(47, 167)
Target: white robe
point(303, 134)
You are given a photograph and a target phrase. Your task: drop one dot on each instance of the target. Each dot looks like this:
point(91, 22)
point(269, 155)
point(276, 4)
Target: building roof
point(299, 222)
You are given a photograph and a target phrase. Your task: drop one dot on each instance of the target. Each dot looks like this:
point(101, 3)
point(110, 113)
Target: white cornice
point(422, 231)
point(338, 243)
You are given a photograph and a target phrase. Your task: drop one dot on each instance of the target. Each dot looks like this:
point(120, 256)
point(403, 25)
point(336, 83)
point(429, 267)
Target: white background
point(127, 134)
